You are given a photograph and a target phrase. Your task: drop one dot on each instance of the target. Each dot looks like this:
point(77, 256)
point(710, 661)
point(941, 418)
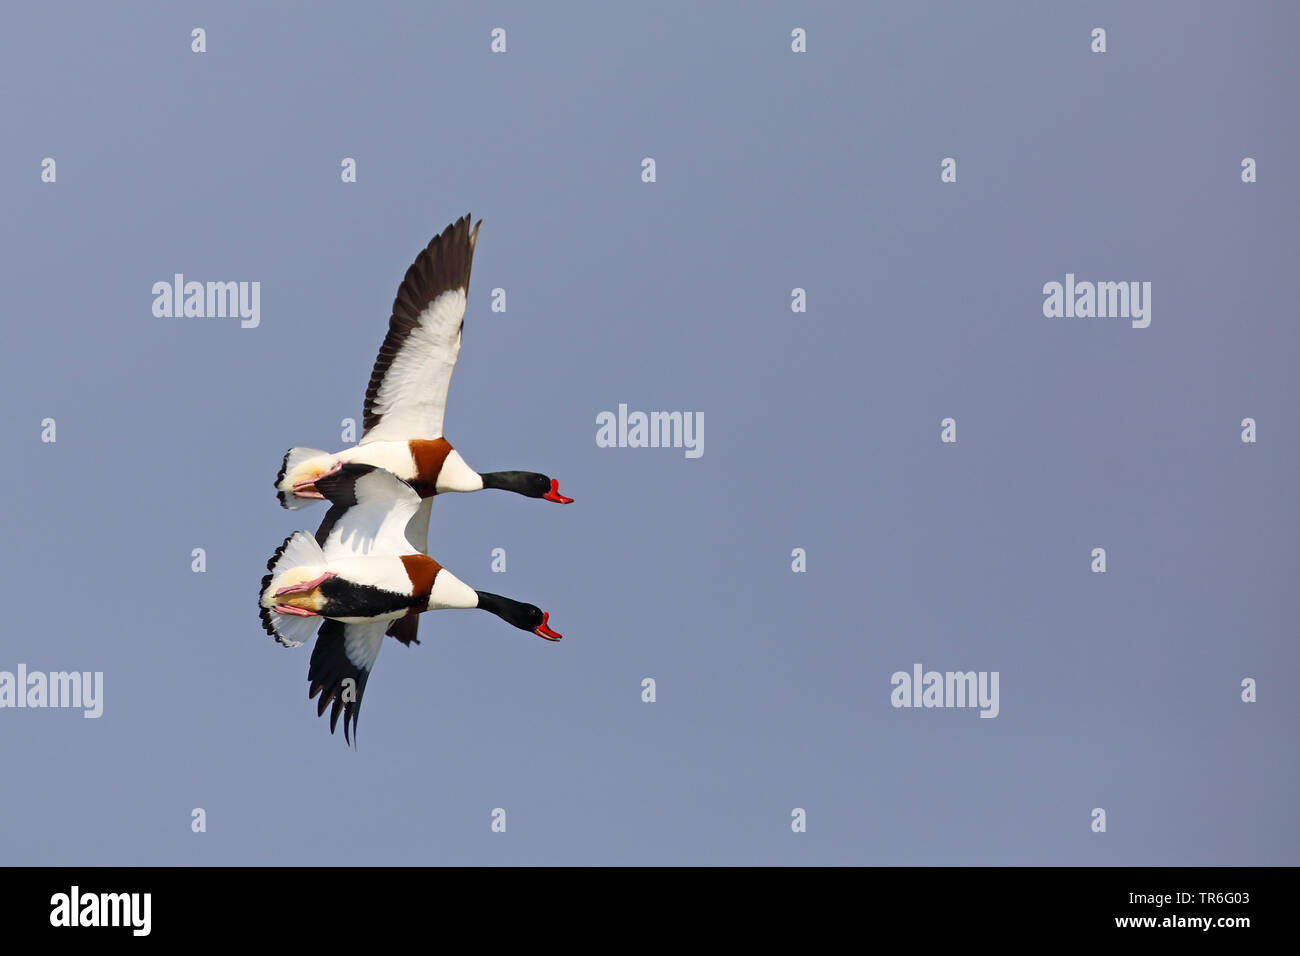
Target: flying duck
point(356, 578)
point(407, 395)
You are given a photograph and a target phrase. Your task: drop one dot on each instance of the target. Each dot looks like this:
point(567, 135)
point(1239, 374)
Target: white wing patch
point(362, 642)
point(417, 529)
point(412, 400)
point(377, 523)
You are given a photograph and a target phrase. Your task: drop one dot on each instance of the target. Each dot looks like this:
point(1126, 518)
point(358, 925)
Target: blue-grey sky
point(775, 170)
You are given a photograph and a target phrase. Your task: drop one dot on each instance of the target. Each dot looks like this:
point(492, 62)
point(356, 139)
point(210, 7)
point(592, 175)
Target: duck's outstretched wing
point(407, 396)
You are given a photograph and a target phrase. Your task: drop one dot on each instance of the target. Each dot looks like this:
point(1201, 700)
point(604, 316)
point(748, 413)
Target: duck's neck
point(527, 483)
point(509, 610)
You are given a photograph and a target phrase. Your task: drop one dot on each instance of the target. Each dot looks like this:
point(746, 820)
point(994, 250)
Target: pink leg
point(290, 609)
point(306, 585)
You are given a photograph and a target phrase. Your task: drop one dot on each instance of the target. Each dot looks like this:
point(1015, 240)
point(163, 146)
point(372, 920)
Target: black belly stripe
point(344, 598)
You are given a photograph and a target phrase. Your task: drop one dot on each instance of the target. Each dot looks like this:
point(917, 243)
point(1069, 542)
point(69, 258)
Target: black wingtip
point(328, 671)
point(339, 487)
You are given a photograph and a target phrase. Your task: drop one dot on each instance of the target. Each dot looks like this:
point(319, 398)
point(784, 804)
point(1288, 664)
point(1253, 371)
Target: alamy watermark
point(946, 689)
point(1098, 300)
point(651, 430)
point(208, 300)
point(83, 689)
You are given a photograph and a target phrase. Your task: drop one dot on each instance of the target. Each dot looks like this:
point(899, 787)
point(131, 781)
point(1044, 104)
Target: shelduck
point(407, 396)
point(356, 579)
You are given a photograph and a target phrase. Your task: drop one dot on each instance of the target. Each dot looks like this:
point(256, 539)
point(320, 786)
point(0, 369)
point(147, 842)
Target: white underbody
point(394, 456)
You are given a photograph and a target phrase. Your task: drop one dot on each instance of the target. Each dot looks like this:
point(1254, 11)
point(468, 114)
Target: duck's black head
point(526, 617)
point(527, 483)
